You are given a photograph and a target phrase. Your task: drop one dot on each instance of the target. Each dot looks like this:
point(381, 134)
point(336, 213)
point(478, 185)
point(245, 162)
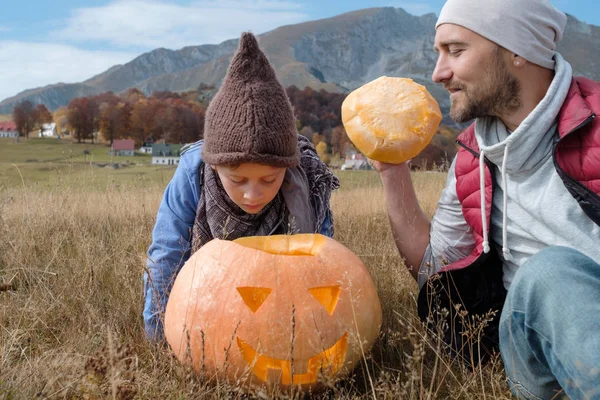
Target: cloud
point(418, 8)
point(149, 24)
point(26, 65)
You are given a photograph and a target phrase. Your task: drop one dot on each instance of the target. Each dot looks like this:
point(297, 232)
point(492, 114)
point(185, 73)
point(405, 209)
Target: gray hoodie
point(532, 208)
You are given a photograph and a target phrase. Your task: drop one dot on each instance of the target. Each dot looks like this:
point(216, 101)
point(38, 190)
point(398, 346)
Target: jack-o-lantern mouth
point(328, 361)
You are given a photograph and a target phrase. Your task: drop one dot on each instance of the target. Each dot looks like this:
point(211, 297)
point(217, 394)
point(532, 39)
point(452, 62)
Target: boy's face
point(251, 186)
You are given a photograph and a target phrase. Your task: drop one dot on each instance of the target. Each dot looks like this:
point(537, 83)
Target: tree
point(322, 152)
point(317, 138)
point(78, 116)
point(339, 140)
point(143, 121)
point(165, 95)
point(23, 117)
point(60, 118)
point(109, 121)
point(307, 132)
point(132, 96)
point(41, 116)
point(93, 111)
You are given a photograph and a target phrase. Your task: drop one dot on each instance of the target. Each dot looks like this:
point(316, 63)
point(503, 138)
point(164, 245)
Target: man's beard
point(494, 97)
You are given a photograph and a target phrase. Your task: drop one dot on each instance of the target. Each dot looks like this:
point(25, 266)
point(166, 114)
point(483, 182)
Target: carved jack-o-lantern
point(283, 310)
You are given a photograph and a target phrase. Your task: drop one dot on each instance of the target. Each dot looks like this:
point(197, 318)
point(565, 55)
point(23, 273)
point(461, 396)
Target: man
point(517, 227)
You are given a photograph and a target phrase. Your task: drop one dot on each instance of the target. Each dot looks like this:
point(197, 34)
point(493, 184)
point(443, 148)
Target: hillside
point(337, 54)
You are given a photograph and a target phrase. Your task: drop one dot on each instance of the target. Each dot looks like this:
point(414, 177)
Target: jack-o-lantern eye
point(327, 295)
point(254, 297)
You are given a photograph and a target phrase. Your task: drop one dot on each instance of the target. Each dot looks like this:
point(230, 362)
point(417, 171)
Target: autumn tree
point(132, 96)
point(307, 132)
point(41, 116)
point(321, 110)
point(322, 152)
point(318, 138)
point(23, 117)
point(193, 123)
point(165, 95)
point(79, 118)
point(339, 140)
point(143, 120)
point(114, 120)
point(60, 118)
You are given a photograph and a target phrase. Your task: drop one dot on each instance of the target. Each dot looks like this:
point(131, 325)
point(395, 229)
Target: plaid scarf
point(217, 216)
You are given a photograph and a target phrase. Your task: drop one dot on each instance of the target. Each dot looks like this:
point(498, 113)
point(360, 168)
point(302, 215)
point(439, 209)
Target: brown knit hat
point(250, 119)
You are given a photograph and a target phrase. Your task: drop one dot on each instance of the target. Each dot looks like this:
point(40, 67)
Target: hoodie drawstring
point(486, 242)
point(505, 249)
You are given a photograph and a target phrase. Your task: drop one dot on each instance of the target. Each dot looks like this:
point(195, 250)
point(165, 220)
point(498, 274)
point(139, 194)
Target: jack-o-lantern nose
point(328, 296)
point(254, 297)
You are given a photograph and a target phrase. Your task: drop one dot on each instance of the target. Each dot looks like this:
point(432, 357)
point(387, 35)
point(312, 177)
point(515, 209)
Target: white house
point(355, 161)
point(8, 129)
point(48, 130)
point(146, 148)
point(166, 154)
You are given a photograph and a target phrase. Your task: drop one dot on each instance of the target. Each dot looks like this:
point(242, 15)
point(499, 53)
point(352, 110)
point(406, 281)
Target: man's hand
point(410, 226)
point(382, 167)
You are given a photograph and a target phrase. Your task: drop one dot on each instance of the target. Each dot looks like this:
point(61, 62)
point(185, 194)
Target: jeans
point(550, 327)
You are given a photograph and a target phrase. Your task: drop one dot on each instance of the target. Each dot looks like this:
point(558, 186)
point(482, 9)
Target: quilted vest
point(474, 283)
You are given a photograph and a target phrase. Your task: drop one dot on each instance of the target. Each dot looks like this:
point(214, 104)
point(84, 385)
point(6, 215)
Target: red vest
point(476, 280)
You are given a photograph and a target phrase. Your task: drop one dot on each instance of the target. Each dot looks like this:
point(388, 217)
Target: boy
point(252, 175)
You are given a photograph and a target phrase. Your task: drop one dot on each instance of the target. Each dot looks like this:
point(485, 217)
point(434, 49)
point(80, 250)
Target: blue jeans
point(550, 327)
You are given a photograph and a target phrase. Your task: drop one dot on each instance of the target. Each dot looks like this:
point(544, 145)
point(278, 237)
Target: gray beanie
point(529, 28)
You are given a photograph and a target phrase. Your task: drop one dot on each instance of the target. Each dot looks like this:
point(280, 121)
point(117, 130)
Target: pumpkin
point(275, 311)
point(391, 119)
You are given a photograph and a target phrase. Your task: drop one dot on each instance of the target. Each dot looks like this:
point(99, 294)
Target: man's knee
point(551, 265)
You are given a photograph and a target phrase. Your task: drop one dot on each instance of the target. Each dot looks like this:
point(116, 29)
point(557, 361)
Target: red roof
point(123, 144)
point(8, 126)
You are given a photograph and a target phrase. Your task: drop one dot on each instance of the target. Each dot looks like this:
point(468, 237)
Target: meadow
point(74, 231)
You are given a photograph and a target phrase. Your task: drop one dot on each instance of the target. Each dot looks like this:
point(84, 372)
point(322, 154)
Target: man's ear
point(517, 60)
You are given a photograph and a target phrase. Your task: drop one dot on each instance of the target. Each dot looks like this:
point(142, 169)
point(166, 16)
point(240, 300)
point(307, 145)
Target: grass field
point(45, 162)
point(5, 117)
point(74, 238)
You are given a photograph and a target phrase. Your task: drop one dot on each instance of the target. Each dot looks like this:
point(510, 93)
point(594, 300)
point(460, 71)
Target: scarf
point(301, 205)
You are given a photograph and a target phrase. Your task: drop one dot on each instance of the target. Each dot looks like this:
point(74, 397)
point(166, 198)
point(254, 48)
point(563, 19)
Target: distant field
point(5, 117)
point(48, 162)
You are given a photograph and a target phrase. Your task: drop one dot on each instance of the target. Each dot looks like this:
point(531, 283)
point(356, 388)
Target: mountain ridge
point(337, 54)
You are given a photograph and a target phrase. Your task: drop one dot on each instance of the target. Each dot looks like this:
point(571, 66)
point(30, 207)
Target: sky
point(43, 42)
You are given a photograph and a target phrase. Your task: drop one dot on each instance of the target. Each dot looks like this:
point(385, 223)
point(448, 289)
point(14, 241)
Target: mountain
point(336, 54)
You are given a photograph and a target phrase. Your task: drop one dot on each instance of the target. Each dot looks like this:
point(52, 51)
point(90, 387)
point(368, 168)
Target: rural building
point(8, 129)
point(48, 130)
point(122, 147)
point(146, 148)
point(166, 154)
point(355, 160)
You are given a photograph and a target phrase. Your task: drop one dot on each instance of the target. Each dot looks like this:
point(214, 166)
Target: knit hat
point(250, 119)
point(529, 28)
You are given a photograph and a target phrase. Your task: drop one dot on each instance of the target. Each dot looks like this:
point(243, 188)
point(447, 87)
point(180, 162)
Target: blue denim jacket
point(171, 238)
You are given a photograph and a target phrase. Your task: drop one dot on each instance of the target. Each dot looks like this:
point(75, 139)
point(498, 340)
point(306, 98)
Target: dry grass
point(72, 328)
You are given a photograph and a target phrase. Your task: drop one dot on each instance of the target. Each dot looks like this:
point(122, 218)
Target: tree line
point(28, 118)
point(179, 118)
